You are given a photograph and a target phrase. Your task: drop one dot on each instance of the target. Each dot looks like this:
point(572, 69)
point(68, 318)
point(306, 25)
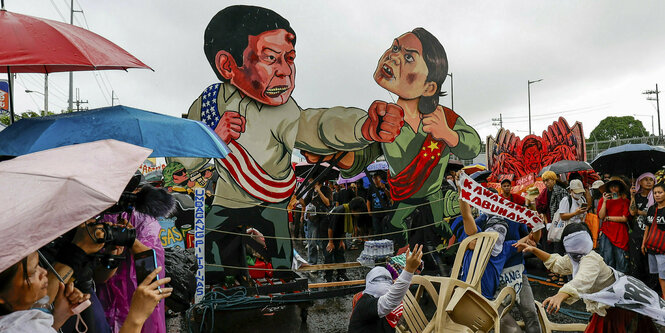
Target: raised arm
point(395, 294)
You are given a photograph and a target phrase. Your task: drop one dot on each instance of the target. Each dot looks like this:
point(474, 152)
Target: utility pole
point(113, 98)
point(655, 92)
point(499, 120)
point(79, 101)
point(46, 94)
point(71, 74)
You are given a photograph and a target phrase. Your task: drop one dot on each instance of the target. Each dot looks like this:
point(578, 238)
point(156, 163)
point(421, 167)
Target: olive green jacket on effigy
point(406, 146)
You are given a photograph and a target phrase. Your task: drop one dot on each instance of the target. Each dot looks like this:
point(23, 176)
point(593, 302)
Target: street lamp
point(45, 99)
point(528, 87)
point(452, 101)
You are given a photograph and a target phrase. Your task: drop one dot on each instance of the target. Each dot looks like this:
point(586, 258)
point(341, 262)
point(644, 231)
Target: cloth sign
point(631, 294)
point(492, 203)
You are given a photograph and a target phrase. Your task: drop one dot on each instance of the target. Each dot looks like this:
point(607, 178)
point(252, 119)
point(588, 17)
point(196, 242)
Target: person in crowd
point(335, 195)
point(590, 274)
point(25, 283)
point(641, 198)
point(334, 226)
point(596, 194)
point(506, 188)
point(547, 204)
point(312, 234)
point(378, 200)
point(607, 177)
point(614, 212)
point(500, 253)
point(115, 292)
point(656, 215)
point(345, 194)
point(574, 206)
point(319, 199)
point(530, 198)
point(504, 261)
point(379, 307)
point(548, 201)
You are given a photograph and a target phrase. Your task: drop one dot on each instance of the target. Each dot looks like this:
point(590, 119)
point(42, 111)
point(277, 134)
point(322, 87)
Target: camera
point(116, 234)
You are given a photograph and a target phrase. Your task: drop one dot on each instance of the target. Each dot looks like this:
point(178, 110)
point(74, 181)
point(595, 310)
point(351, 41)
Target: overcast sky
point(595, 57)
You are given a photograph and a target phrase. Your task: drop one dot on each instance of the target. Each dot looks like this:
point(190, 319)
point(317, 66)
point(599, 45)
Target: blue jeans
point(312, 251)
point(612, 255)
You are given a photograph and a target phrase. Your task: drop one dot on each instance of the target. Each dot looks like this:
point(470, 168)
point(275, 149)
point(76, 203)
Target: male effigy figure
point(252, 51)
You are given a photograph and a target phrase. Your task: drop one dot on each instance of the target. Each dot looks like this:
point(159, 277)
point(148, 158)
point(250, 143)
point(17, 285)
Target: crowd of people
point(92, 284)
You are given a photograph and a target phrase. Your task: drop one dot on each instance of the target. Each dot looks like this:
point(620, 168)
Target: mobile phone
point(144, 263)
point(615, 195)
point(585, 205)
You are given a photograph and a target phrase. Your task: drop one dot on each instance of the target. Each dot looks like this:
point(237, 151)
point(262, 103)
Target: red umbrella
point(35, 45)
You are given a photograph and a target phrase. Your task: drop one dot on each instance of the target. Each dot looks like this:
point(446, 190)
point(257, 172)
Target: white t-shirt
point(33, 321)
point(565, 209)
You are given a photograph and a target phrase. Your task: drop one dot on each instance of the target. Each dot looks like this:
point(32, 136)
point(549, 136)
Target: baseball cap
point(597, 184)
point(576, 186)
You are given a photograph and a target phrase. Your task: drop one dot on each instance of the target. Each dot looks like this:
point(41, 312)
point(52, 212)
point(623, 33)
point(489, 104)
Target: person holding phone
point(573, 208)
point(614, 212)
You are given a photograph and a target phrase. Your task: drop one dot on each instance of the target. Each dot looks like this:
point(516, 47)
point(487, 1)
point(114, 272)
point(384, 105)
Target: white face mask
point(577, 196)
point(498, 246)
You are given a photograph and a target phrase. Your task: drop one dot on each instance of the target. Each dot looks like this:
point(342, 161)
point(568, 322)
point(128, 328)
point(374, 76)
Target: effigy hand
point(384, 122)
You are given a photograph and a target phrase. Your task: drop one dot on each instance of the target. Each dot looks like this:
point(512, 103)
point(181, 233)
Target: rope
point(291, 270)
point(446, 220)
point(411, 206)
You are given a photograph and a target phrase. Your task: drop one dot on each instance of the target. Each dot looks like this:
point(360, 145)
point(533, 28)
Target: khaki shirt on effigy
point(271, 134)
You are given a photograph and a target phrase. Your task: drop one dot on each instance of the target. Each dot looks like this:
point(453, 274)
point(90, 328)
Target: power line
point(58, 10)
point(22, 83)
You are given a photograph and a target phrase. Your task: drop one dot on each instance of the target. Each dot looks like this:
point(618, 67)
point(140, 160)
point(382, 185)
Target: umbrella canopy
point(167, 136)
point(629, 159)
point(353, 179)
point(36, 45)
point(481, 176)
point(565, 166)
point(471, 169)
point(304, 169)
point(52, 191)
point(454, 165)
point(380, 165)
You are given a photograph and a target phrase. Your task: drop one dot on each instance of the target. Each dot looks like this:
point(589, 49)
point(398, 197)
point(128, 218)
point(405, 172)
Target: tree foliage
point(614, 128)
point(4, 118)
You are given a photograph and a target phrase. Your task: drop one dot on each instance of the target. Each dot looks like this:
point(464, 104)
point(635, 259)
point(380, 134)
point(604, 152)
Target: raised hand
point(384, 122)
point(147, 296)
point(435, 124)
point(230, 126)
point(414, 258)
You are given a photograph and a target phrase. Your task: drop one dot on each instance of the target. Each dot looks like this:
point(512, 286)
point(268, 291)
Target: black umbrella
point(566, 166)
point(630, 159)
point(481, 176)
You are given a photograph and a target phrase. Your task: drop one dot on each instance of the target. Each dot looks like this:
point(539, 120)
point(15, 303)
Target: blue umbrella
point(167, 136)
point(630, 159)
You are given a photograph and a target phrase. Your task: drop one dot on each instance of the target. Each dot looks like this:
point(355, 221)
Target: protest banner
point(492, 203)
point(199, 242)
point(631, 294)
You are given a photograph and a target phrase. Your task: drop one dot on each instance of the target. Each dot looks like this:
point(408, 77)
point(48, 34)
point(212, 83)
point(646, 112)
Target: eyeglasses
point(182, 172)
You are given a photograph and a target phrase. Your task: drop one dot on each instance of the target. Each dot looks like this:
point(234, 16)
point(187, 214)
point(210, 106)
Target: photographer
point(25, 283)
point(139, 211)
